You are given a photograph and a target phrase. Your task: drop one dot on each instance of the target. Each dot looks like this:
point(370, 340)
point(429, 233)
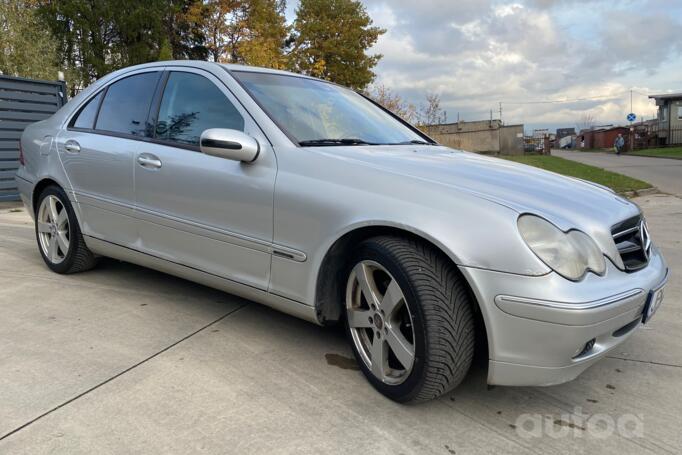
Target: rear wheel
point(409, 318)
point(59, 237)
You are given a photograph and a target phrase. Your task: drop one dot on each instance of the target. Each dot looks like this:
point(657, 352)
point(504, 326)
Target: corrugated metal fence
point(22, 102)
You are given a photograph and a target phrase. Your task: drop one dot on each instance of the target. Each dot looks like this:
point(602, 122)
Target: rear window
point(126, 105)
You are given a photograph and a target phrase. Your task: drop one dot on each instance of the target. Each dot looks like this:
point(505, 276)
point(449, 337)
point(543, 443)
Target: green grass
point(618, 182)
point(668, 152)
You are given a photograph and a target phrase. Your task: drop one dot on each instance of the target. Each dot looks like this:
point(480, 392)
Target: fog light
point(585, 349)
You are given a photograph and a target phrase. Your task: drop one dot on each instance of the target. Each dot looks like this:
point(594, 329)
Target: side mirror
point(229, 144)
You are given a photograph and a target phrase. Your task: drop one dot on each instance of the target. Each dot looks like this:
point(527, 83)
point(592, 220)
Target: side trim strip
point(193, 227)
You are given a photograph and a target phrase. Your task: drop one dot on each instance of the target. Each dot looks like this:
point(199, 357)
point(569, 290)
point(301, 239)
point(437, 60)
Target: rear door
point(98, 149)
point(202, 211)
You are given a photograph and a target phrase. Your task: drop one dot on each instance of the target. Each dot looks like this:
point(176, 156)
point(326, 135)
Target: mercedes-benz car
point(311, 198)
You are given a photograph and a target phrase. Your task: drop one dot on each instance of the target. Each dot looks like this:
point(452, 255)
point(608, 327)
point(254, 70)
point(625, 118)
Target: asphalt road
point(665, 174)
point(126, 360)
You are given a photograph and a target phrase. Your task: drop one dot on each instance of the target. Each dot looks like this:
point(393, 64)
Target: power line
point(569, 100)
point(589, 98)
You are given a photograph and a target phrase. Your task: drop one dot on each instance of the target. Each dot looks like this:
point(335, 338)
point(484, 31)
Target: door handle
point(72, 146)
point(149, 161)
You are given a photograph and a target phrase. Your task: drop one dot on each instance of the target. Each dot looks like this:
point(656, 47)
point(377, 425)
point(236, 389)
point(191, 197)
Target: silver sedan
point(312, 199)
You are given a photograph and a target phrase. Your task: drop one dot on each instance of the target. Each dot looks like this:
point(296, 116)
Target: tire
point(436, 302)
point(70, 253)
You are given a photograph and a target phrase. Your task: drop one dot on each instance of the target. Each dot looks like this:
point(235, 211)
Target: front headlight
point(570, 254)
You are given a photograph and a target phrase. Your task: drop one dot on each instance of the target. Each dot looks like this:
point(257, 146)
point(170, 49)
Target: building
point(563, 132)
point(539, 134)
point(669, 128)
point(484, 136)
point(601, 138)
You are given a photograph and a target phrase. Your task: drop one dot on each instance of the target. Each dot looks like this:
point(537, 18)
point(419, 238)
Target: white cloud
point(477, 53)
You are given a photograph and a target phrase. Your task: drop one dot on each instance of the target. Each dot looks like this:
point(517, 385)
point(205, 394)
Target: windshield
point(313, 112)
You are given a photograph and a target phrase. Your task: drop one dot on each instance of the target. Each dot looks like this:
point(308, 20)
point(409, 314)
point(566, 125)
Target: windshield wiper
point(413, 142)
point(342, 141)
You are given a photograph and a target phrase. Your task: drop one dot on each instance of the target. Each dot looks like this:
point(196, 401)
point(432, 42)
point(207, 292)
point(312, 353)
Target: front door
point(202, 211)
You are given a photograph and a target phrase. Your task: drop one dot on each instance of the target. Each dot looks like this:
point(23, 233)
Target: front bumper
point(538, 326)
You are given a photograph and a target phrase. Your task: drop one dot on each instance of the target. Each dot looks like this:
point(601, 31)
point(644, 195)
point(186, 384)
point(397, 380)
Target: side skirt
point(282, 304)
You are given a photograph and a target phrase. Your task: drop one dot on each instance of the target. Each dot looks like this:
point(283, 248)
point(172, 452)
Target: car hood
point(568, 202)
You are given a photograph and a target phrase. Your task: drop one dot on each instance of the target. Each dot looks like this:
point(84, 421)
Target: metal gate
point(22, 102)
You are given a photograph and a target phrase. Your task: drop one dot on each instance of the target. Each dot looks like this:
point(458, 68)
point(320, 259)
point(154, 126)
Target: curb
point(638, 193)
point(657, 157)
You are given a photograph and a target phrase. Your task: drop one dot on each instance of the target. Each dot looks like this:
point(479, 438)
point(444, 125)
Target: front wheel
point(59, 237)
point(409, 318)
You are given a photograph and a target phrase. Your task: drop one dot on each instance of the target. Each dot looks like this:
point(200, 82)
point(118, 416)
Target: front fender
point(318, 204)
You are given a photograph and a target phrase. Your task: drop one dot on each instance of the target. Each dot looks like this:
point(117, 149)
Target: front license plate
point(653, 303)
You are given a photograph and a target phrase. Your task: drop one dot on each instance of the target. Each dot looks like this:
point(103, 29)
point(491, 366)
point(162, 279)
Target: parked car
point(310, 198)
point(529, 147)
point(566, 142)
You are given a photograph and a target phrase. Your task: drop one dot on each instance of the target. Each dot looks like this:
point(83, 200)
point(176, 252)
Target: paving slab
point(61, 336)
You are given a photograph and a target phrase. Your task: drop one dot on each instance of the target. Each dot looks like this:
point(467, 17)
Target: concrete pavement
point(126, 360)
point(663, 173)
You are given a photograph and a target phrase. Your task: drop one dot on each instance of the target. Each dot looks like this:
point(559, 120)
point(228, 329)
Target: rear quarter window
point(86, 117)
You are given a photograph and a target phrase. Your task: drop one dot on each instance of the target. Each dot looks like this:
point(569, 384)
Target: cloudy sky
point(478, 53)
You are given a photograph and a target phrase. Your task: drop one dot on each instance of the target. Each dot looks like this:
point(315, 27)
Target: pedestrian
point(619, 143)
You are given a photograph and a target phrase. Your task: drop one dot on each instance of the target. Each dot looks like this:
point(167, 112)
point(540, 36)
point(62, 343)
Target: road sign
point(631, 117)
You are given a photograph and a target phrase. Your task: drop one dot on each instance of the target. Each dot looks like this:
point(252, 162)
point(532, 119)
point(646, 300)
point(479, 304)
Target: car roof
point(205, 64)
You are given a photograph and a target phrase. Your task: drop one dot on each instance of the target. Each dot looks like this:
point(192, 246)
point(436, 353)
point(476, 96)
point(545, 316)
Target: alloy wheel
point(53, 229)
point(380, 322)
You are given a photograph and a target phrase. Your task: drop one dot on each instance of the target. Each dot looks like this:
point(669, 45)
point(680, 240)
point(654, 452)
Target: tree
point(221, 26)
point(98, 36)
point(27, 49)
point(185, 26)
point(140, 30)
point(428, 114)
point(330, 40)
point(266, 33)
point(394, 103)
point(431, 113)
point(586, 122)
point(166, 52)
point(251, 32)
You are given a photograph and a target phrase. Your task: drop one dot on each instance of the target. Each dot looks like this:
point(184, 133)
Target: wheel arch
point(39, 187)
point(46, 181)
point(330, 282)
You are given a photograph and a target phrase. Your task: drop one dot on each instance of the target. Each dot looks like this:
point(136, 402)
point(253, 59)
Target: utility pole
point(500, 111)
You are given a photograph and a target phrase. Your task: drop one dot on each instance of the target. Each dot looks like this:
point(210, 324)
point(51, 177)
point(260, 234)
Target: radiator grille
point(633, 242)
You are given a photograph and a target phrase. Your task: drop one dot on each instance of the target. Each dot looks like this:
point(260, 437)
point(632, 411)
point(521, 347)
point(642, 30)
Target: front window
point(313, 112)
point(192, 104)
